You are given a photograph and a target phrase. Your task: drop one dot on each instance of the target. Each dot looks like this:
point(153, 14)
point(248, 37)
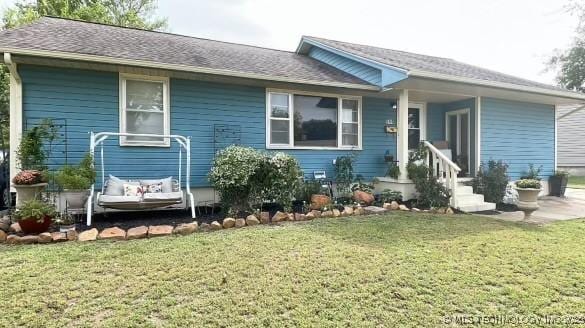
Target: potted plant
point(28, 184)
point(528, 190)
point(34, 216)
point(75, 182)
point(557, 183)
point(65, 222)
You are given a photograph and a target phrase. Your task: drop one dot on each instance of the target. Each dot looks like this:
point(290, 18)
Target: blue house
point(326, 99)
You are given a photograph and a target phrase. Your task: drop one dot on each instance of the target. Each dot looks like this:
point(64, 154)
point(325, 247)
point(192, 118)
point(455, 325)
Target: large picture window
point(144, 109)
point(306, 121)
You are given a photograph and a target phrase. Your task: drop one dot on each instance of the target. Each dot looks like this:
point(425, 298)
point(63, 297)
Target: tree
point(129, 13)
point(570, 63)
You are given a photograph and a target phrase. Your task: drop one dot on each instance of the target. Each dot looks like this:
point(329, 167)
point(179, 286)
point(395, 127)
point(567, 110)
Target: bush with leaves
point(431, 193)
point(360, 185)
point(389, 195)
point(277, 178)
point(244, 176)
point(533, 173)
point(344, 173)
point(491, 180)
point(79, 177)
point(232, 174)
point(31, 153)
point(308, 188)
point(528, 184)
point(35, 209)
point(393, 170)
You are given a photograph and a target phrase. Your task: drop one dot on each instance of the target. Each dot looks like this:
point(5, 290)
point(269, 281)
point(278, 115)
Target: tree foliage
point(129, 13)
point(570, 63)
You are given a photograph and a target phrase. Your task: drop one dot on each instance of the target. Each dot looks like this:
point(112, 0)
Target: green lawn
point(398, 269)
point(576, 182)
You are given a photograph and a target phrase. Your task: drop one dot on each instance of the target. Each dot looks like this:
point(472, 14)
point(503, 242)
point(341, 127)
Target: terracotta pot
point(32, 226)
point(28, 192)
point(319, 201)
point(527, 200)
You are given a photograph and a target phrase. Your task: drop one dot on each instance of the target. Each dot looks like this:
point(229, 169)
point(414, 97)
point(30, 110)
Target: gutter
point(179, 67)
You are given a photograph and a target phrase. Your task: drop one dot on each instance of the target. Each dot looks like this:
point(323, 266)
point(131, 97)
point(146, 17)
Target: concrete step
point(469, 199)
point(464, 190)
point(477, 207)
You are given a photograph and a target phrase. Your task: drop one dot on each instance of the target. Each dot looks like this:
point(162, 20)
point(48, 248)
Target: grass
point(392, 270)
point(576, 182)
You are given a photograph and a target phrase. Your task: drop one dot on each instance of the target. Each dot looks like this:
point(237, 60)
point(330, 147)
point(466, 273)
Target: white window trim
point(166, 109)
point(291, 145)
point(422, 120)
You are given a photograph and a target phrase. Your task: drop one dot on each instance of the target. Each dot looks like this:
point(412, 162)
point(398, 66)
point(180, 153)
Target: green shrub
point(344, 173)
point(361, 185)
point(393, 170)
point(77, 177)
point(277, 178)
point(533, 173)
point(244, 176)
point(431, 193)
point(389, 195)
point(31, 153)
point(528, 184)
point(491, 181)
point(308, 188)
point(34, 209)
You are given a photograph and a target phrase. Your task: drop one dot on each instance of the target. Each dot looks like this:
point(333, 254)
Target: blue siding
point(518, 133)
point(364, 72)
point(436, 113)
point(84, 100)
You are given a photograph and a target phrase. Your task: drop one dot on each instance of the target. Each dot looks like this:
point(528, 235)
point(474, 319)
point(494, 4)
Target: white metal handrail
point(444, 169)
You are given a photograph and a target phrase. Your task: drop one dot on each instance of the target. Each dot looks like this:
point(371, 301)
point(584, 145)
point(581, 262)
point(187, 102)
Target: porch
point(449, 125)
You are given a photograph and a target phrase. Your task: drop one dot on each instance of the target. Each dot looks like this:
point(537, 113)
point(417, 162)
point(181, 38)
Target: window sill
point(286, 147)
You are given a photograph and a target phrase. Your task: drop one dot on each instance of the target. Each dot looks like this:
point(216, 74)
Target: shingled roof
point(72, 39)
point(413, 63)
point(77, 37)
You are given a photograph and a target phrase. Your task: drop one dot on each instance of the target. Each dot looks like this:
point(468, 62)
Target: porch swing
point(146, 201)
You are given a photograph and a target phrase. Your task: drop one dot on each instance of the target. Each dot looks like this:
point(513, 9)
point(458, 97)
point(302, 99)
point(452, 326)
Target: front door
point(457, 134)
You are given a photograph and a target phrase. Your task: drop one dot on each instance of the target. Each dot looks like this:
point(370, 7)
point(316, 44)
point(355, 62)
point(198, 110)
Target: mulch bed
point(127, 220)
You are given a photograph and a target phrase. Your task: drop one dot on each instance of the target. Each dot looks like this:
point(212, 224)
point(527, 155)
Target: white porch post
point(402, 135)
point(477, 134)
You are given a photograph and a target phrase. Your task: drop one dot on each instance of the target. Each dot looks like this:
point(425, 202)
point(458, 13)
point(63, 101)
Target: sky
point(511, 36)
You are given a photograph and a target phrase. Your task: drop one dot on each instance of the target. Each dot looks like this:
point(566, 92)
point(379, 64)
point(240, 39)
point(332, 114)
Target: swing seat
point(144, 201)
point(170, 197)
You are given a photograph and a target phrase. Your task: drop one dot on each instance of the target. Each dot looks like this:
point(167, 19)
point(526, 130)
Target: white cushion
point(167, 183)
point(115, 186)
point(109, 199)
point(163, 196)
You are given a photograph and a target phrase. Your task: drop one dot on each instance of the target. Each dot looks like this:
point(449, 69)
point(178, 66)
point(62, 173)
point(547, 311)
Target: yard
point(576, 182)
point(407, 269)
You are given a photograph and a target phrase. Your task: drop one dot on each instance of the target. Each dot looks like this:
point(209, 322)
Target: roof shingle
point(70, 36)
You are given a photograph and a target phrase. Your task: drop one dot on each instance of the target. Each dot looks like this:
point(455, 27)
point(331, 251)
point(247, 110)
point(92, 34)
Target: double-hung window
point(297, 120)
point(144, 109)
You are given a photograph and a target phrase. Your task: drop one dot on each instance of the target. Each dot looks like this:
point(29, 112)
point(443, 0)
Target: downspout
point(15, 111)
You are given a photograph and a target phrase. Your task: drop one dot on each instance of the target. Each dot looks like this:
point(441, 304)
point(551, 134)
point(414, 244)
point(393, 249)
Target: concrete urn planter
point(75, 199)
point(25, 193)
point(527, 200)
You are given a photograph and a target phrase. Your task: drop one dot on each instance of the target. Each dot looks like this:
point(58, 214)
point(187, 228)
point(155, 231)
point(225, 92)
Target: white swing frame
point(97, 139)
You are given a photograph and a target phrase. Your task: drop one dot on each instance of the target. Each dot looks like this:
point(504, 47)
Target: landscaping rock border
point(12, 235)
